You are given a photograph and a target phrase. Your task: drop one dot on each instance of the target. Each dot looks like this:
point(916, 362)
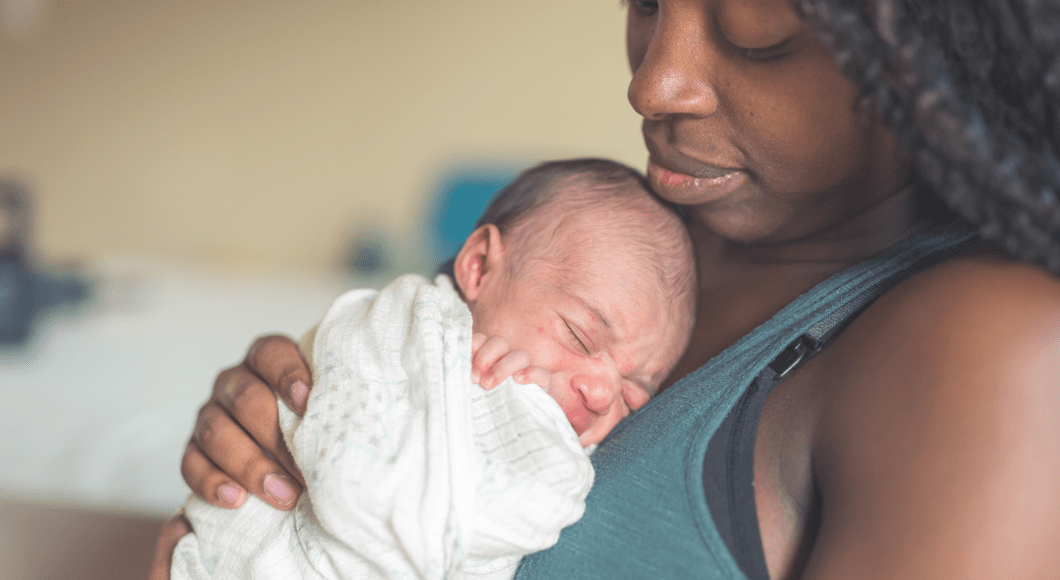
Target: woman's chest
point(787, 497)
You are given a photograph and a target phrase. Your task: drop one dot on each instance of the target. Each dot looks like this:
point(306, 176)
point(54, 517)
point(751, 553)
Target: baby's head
point(580, 265)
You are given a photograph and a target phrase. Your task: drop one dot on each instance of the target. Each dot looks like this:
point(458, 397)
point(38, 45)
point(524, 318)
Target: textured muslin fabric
point(412, 471)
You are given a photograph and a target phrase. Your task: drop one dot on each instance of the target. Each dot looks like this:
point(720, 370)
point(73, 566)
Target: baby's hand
point(492, 361)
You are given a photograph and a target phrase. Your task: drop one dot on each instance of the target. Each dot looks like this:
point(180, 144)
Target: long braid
point(974, 89)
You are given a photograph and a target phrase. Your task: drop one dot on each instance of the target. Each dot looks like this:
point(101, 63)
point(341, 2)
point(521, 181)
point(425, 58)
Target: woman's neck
point(834, 246)
point(742, 285)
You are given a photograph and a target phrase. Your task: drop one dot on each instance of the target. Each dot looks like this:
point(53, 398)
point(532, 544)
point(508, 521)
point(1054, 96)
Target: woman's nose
point(599, 392)
point(672, 70)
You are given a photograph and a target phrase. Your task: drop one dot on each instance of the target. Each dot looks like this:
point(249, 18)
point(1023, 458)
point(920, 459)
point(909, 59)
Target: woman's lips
point(670, 178)
point(706, 185)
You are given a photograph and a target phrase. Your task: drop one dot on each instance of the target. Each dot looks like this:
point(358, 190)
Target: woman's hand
point(492, 361)
point(237, 445)
point(172, 532)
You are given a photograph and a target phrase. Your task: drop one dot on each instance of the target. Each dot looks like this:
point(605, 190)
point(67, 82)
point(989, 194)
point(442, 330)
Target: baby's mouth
point(579, 415)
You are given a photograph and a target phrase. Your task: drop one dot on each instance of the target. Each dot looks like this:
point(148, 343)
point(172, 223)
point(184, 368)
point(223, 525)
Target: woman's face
point(748, 120)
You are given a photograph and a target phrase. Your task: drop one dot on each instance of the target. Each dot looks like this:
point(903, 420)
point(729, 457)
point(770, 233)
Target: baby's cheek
point(546, 354)
point(635, 397)
point(625, 365)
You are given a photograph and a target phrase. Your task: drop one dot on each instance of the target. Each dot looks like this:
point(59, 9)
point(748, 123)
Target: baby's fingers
point(477, 340)
point(533, 375)
point(486, 355)
point(507, 366)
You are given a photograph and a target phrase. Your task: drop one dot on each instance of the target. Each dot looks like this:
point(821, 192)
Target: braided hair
point(973, 88)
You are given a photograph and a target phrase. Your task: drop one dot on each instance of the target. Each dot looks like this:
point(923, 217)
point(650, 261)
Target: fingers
point(280, 365)
point(237, 447)
point(488, 351)
point(252, 405)
point(477, 340)
point(209, 482)
point(495, 362)
point(172, 532)
point(533, 375)
point(221, 454)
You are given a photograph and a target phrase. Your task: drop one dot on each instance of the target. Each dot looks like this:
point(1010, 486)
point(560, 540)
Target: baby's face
point(608, 345)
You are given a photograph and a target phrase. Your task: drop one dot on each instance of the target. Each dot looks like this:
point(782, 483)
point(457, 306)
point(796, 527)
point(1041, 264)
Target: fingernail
point(299, 394)
point(228, 493)
point(279, 488)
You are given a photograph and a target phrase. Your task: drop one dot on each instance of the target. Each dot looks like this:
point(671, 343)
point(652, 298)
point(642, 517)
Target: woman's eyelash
point(762, 54)
point(575, 335)
point(645, 8)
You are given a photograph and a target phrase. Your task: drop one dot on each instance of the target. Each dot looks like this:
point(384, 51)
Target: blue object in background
point(26, 292)
point(459, 200)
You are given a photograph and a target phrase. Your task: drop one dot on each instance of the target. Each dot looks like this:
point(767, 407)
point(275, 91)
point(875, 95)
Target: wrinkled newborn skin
point(607, 340)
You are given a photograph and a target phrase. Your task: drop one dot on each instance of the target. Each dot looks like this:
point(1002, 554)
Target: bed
point(98, 404)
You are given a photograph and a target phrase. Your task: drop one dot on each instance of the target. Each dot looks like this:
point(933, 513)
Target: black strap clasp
point(792, 357)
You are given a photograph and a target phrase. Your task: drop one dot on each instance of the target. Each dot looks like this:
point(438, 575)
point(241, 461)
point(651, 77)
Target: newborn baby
point(578, 282)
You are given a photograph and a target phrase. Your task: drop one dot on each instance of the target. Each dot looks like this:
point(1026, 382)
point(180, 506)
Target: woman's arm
point(939, 451)
point(236, 446)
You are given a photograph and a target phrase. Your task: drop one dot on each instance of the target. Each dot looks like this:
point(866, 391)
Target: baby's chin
point(589, 440)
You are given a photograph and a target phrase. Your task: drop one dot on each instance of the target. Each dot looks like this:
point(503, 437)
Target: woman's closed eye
point(645, 8)
point(766, 54)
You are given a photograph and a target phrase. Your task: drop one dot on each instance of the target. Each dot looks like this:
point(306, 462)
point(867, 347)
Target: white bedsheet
point(97, 409)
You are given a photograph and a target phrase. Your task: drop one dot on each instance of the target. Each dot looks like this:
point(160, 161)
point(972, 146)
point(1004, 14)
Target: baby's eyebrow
point(599, 315)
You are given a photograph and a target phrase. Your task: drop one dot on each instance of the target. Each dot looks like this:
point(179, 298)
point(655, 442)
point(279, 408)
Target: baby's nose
point(599, 392)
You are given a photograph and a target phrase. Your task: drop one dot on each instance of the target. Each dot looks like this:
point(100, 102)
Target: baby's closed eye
point(580, 344)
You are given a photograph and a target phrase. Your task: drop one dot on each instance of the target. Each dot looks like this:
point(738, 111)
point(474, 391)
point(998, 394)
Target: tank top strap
point(647, 514)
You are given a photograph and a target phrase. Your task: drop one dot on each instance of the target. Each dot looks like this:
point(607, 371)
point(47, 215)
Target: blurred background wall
point(197, 173)
point(268, 133)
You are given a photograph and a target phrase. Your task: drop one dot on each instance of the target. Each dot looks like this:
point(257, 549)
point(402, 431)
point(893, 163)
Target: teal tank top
point(647, 514)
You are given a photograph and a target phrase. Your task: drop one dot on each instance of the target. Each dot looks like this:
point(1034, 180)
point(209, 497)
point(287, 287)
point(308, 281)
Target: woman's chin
point(745, 225)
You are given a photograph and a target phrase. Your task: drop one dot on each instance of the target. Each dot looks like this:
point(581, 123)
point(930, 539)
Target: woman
point(922, 442)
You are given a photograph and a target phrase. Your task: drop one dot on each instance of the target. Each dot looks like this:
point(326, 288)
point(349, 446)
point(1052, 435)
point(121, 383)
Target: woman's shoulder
point(978, 300)
point(980, 313)
point(937, 409)
point(974, 341)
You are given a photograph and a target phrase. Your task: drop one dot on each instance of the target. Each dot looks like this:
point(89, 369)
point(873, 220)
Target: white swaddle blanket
point(412, 471)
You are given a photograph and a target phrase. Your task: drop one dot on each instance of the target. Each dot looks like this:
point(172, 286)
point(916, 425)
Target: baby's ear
point(479, 261)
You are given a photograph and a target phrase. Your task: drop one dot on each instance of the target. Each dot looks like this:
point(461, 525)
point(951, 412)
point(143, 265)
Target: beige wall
point(263, 132)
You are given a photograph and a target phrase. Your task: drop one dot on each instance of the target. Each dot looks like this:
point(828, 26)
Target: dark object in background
point(24, 291)
point(369, 253)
